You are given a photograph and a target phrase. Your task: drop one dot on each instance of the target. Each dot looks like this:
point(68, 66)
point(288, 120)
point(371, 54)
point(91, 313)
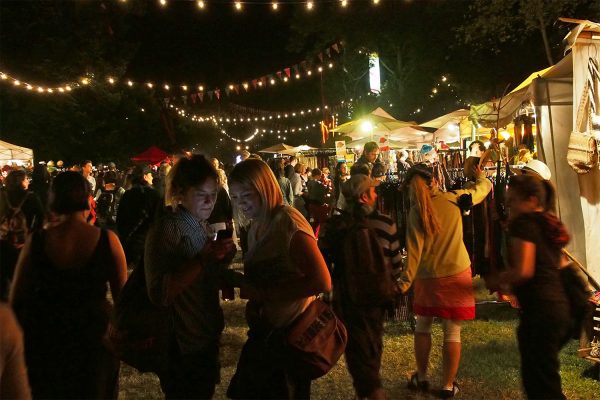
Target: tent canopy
point(152, 154)
point(11, 152)
point(278, 148)
point(377, 121)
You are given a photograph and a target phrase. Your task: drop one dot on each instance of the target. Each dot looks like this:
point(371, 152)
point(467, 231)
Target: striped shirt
point(173, 240)
point(387, 236)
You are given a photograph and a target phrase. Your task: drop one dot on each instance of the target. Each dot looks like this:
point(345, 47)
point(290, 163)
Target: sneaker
point(449, 393)
point(415, 384)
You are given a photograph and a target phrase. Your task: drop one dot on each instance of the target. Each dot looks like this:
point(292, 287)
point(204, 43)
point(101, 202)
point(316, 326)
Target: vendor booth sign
point(340, 150)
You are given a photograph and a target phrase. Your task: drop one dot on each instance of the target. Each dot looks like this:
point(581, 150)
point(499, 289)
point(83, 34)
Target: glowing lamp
point(504, 134)
point(366, 126)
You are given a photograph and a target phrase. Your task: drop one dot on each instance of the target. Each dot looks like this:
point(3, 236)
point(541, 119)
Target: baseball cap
point(357, 185)
point(534, 167)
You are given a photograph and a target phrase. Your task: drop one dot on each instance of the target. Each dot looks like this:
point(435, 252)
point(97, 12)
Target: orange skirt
point(450, 297)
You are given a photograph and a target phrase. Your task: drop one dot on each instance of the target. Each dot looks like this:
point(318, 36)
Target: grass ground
point(489, 367)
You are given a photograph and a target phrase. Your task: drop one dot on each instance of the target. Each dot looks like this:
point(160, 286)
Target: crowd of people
point(69, 235)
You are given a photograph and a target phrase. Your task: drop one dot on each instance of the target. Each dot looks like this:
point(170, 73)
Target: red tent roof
point(152, 155)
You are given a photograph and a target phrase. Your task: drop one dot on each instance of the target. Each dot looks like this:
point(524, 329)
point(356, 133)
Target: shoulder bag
point(582, 152)
point(316, 340)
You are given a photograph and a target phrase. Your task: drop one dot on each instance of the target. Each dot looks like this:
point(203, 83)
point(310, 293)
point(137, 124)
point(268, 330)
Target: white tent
point(11, 153)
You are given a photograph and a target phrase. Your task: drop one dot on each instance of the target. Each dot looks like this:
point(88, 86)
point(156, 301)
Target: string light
point(375, 2)
point(344, 3)
point(200, 4)
point(274, 6)
point(238, 5)
point(163, 2)
point(309, 5)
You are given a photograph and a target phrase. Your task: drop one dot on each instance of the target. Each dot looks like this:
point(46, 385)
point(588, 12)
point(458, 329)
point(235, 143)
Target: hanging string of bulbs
point(309, 5)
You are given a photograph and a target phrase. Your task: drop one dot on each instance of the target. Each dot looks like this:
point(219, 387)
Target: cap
point(357, 185)
point(534, 167)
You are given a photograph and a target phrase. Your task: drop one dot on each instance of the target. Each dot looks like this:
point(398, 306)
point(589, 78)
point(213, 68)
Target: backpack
point(13, 225)
point(360, 266)
point(140, 331)
point(105, 207)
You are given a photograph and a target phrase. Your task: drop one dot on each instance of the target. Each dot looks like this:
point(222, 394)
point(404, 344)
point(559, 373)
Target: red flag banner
point(194, 95)
point(321, 56)
point(288, 71)
point(254, 83)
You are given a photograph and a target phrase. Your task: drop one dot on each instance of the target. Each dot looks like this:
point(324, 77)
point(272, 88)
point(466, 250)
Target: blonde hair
point(420, 196)
point(257, 174)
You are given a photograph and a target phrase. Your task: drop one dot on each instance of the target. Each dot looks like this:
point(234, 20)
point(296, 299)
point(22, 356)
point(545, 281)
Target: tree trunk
point(545, 39)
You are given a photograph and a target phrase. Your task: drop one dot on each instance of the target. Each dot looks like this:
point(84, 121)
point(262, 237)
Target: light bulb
point(3, 76)
point(167, 87)
point(274, 5)
point(297, 76)
point(16, 82)
point(238, 5)
point(85, 81)
point(163, 2)
point(309, 5)
point(272, 81)
point(111, 81)
point(200, 4)
point(375, 2)
point(344, 3)
point(200, 88)
point(129, 83)
point(29, 87)
point(150, 85)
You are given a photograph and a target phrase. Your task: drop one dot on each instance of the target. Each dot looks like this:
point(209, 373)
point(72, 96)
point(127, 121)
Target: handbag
point(316, 340)
point(582, 151)
point(578, 294)
point(140, 332)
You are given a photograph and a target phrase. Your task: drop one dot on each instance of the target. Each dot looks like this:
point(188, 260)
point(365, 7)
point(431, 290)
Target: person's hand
point(221, 250)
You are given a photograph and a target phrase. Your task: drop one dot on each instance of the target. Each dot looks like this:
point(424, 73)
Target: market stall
point(13, 154)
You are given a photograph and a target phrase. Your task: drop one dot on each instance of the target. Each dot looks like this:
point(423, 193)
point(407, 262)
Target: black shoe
point(449, 393)
point(415, 384)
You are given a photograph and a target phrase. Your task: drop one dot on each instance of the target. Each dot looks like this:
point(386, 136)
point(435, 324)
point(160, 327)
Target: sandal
point(449, 393)
point(415, 384)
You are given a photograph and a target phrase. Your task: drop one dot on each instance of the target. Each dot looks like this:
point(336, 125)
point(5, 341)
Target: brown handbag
point(582, 152)
point(316, 340)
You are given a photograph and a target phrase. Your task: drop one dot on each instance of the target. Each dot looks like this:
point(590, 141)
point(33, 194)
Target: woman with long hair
point(536, 237)
point(439, 267)
point(59, 297)
point(183, 271)
point(283, 272)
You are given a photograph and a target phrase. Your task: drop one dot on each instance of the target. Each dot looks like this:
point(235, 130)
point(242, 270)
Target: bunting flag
point(263, 80)
point(254, 83)
point(201, 95)
point(218, 94)
point(194, 95)
point(210, 95)
point(279, 74)
point(328, 52)
point(336, 47)
point(288, 72)
point(321, 56)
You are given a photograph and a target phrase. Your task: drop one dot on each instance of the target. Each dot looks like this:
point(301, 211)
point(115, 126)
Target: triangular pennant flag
point(254, 83)
point(321, 56)
point(328, 52)
point(288, 71)
point(210, 94)
point(184, 100)
point(218, 94)
point(194, 95)
point(279, 73)
point(227, 90)
point(336, 47)
point(201, 96)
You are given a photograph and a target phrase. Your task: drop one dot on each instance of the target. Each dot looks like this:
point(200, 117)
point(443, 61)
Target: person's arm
point(522, 259)
point(480, 190)
point(415, 241)
point(118, 265)
point(13, 376)
point(22, 284)
point(308, 259)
